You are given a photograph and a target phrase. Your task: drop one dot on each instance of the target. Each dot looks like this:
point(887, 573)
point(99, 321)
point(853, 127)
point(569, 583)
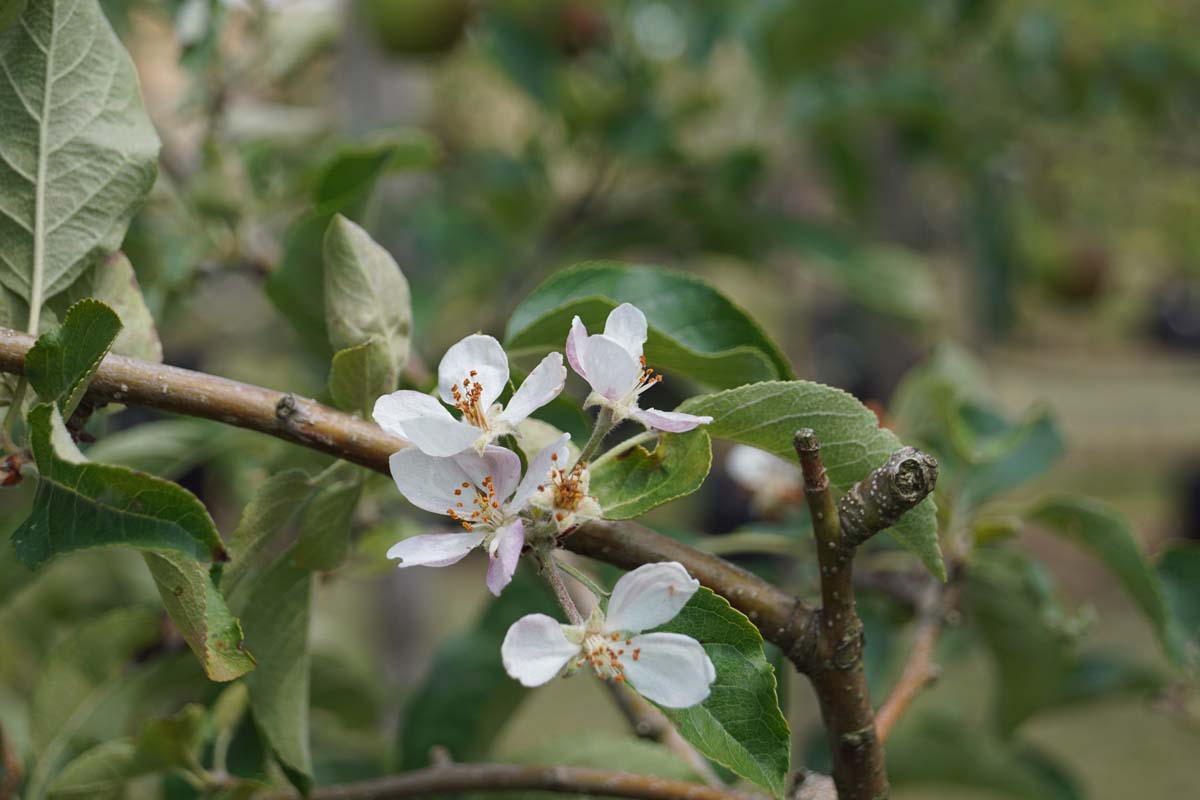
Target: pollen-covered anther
point(467, 398)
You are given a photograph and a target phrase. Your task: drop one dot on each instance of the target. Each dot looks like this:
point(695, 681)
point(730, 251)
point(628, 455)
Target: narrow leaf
point(62, 361)
point(633, 480)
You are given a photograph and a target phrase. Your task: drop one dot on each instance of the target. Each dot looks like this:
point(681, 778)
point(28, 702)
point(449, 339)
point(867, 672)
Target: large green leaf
point(629, 481)
point(62, 361)
point(694, 329)
point(79, 505)
point(767, 416)
point(1103, 532)
point(276, 617)
point(81, 672)
point(201, 614)
point(10, 12)
point(323, 541)
point(467, 697)
point(114, 283)
point(273, 505)
point(359, 375)
point(740, 725)
point(78, 153)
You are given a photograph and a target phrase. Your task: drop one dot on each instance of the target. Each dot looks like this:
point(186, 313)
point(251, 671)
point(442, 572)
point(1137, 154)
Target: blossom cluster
point(456, 466)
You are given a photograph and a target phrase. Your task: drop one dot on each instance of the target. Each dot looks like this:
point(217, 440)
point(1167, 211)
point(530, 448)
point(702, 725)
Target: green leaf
point(70, 101)
point(228, 709)
point(1103, 532)
point(693, 329)
point(366, 294)
point(80, 673)
point(361, 374)
point(604, 751)
point(276, 617)
point(467, 697)
point(1179, 572)
point(79, 505)
point(10, 12)
point(740, 725)
point(168, 448)
point(114, 283)
point(273, 505)
point(173, 741)
point(201, 614)
point(767, 416)
point(629, 481)
point(1004, 456)
point(62, 361)
point(324, 536)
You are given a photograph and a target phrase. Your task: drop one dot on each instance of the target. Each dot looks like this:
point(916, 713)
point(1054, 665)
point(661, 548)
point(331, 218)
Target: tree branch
point(452, 778)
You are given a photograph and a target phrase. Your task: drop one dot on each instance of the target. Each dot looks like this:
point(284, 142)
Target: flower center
point(466, 399)
point(569, 488)
point(484, 505)
point(606, 652)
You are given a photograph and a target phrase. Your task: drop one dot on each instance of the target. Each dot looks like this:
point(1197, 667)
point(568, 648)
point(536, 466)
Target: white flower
point(669, 668)
point(471, 376)
point(773, 483)
point(566, 496)
point(612, 362)
point(479, 491)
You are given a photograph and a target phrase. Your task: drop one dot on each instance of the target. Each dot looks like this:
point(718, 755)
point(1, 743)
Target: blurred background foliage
point(873, 180)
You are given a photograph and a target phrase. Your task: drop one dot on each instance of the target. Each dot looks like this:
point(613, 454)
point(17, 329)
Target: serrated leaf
point(366, 294)
point(62, 361)
point(1103, 532)
point(694, 330)
point(201, 614)
point(80, 672)
point(276, 618)
point(767, 416)
point(113, 282)
point(359, 375)
point(84, 505)
point(78, 154)
point(324, 532)
point(634, 480)
point(740, 725)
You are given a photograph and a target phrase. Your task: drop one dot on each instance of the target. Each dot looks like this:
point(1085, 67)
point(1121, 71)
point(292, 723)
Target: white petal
point(540, 387)
point(424, 421)
point(539, 471)
point(575, 343)
point(429, 482)
point(434, 549)
point(535, 649)
point(671, 669)
point(750, 466)
point(611, 370)
point(649, 596)
point(627, 325)
point(483, 355)
point(669, 421)
point(506, 552)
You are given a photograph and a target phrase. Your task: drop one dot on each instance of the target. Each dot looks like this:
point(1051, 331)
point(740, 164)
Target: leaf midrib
point(39, 188)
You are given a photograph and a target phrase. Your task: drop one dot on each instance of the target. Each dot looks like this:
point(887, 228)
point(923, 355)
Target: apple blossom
point(483, 493)
point(773, 482)
point(613, 364)
point(671, 669)
point(471, 376)
point(566, 497)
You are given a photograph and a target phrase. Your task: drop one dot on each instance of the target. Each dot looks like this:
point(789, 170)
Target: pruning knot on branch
point(879, 500)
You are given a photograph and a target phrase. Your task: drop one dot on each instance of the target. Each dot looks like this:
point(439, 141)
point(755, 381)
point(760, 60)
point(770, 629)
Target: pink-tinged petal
point(649, 596)
point(535, 649)
point(611, 370)
point(553, 454)
point(671, 669)
point(429, 482)
point(435, 549)
point(424, 421)
point(480, 354)
point(575, 343)
point(669, 421)
point(540, 387)
point(506, 553)
point(627, 326)
point(502, 464)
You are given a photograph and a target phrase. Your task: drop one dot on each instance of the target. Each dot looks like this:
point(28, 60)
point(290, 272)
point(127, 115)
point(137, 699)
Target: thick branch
point(453, 778)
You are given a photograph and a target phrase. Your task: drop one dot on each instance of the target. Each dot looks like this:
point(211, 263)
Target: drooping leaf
point(636, 480)
point(694, 330)
point(1004, 455)
point(1179, 571)
point(273, 505)
point(1105, 534)
point(466, 696)
point(78, 153)
point(113, 282)
point(324, 531)
point(366, 294)
point(767, 416)
point(201, 614)
point(740, 725)
point(80, 505)
point(62, 361)
point(276, 618)
point(359, 375)
point(81, 671)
